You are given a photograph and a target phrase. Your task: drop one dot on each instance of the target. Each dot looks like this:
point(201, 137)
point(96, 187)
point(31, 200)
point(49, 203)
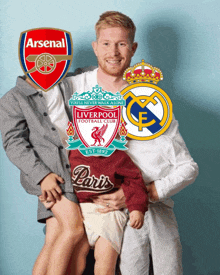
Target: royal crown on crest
point(142, 72)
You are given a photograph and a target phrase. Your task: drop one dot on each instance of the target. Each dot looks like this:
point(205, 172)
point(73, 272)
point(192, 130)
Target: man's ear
point(94, 46)
point(134, 48)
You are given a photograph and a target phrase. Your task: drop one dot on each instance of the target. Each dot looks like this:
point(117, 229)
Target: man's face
point(114, 50)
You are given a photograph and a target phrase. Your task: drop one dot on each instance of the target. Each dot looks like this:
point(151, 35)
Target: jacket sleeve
point(133, 186)
point(184, 169)
point(15, 136)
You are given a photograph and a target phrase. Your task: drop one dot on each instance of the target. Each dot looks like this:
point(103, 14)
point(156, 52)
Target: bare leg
point(69, 233)
point(106, 257)
point(77, 262)
point(52, 233)
point(69, 217)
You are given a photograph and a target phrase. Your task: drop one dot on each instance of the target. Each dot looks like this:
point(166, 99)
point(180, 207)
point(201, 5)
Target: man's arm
point(133, 192)
point(184, 169)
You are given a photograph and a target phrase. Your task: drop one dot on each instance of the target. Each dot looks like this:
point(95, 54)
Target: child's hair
point(115, 19)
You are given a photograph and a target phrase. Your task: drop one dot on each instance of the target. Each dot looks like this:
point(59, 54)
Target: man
point(165, 162)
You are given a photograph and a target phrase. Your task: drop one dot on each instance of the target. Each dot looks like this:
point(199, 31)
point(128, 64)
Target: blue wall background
point(182, 38)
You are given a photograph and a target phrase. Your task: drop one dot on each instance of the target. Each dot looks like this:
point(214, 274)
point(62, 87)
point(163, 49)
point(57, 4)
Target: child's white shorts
point(110, 225)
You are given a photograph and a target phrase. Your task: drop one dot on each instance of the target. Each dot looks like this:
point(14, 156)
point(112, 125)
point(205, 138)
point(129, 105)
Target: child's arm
point(133, 186)
point(135, 194)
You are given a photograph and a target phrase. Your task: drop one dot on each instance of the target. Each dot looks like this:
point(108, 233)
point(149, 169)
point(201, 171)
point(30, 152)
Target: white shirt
point(83, 82)
point(164, 160)
point(56, 112)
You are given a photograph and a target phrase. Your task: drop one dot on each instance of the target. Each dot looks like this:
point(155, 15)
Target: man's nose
point(114, 49)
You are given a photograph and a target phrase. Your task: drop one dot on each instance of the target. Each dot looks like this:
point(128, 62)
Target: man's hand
point(50, 188)
point(136, 219)
point(113, 201)
point(152, 192)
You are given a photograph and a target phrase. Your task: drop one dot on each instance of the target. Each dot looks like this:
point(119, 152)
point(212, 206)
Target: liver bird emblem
point(98, 133)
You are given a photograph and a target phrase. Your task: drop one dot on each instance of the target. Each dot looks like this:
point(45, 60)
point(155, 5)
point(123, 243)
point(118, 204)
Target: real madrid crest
point(148, 109)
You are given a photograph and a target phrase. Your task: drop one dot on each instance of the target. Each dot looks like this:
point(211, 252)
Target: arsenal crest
point(148, 109)
point(45, 55)
point(95, 125)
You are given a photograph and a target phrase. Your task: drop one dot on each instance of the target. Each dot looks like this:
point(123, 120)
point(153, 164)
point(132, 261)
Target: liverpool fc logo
point(95, 125)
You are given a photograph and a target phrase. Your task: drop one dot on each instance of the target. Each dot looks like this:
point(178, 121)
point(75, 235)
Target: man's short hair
point(115, 19)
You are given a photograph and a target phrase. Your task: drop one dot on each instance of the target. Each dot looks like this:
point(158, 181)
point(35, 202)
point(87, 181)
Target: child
point(31, 126)
point(96, 175)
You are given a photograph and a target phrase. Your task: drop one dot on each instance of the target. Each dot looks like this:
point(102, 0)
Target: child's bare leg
point(105, 257)
point(52, 233)
point(69, 219)
point(77, 262)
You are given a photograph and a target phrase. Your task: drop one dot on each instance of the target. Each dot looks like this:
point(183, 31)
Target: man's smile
point(113, 62)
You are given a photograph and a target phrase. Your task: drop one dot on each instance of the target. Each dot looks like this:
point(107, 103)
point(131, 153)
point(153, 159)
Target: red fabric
point(92, 176)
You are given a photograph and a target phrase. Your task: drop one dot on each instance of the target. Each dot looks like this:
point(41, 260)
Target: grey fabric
point(30, 140)
point(159, 237)
point(43, 213)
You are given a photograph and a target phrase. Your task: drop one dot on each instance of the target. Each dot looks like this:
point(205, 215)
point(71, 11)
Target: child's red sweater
point(92, 176)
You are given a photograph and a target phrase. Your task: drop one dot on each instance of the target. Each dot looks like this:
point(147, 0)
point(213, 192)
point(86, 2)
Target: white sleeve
point(184, 170)
point(164, 160)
